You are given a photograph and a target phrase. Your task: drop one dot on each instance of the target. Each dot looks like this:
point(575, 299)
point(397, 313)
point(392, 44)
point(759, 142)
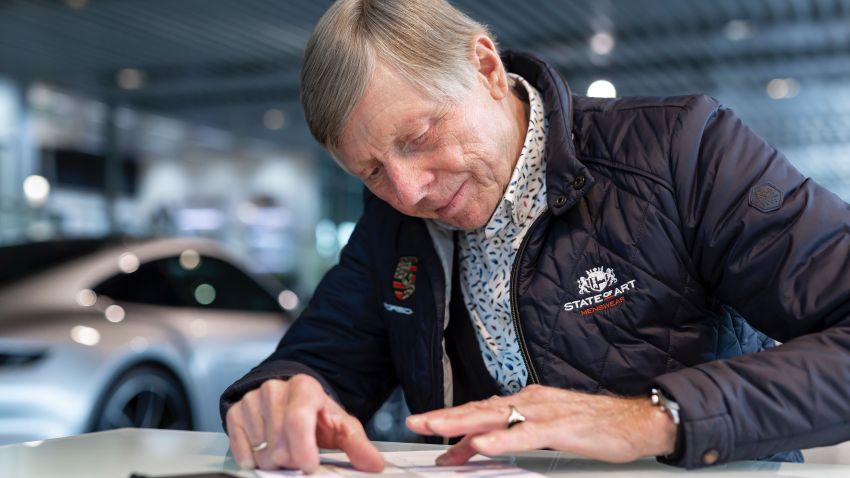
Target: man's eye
point(374, 173)
point(420, 140)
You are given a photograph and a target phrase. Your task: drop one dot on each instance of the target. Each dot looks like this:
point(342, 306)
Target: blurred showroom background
point(180, 118)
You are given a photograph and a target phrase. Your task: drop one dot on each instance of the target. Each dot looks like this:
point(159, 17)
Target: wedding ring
point(260, 447)
point(515, 417)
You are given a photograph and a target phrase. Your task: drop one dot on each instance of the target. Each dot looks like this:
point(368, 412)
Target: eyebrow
point(410, 128)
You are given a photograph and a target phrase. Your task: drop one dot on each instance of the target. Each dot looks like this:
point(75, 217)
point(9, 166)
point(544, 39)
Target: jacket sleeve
point(339, 339)
point(775, 246)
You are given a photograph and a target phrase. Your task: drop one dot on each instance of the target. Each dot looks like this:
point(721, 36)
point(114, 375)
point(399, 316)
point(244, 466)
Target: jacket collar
point(567, 179)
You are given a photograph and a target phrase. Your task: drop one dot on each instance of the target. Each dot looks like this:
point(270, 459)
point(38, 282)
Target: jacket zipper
point(532, 374)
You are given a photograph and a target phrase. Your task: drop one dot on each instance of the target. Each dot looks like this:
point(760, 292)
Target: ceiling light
point(601, 89)
point(115, 313)
point(85, 335)
point(274, 119)
point(190, 259)
point(36, 189)
point(205, 294)
point(737, 30)
point(130, 78)
point(86, 298)
point(783, 88)
point(602, 43)
point(128, 262)
point(77, 4)
point(288, 300)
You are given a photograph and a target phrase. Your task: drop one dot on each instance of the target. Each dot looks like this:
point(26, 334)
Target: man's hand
point(600, 427)
point(295, 418)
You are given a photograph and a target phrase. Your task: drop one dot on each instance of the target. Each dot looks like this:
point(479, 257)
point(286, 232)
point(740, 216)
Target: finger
point(305, 398)
point(523, 437)
point(422, 422)
point(459, 453)
point(273, 403)
point(251, 418)
point(239, 443)
point(351, 439)
point(472, 418)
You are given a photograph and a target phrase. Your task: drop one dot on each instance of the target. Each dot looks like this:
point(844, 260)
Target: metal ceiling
point(223, 62)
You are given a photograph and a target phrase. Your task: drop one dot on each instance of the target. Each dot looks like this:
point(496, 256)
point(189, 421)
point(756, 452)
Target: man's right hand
point(295, 418)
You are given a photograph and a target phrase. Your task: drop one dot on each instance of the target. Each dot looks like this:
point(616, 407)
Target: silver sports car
point(97, 335)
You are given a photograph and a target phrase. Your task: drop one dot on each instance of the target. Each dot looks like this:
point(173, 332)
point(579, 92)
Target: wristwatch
point(667, 405)
point(670, 407)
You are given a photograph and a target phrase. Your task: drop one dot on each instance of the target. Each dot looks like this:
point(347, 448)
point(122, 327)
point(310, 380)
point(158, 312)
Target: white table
point(117, 453)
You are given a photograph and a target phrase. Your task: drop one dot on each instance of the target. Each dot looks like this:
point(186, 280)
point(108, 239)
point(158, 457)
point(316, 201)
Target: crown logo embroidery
point(596, 280)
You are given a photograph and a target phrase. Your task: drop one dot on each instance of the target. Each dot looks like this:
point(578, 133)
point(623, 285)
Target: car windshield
point(23, 260)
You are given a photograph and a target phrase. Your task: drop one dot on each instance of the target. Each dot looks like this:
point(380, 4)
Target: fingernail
point(247, 464)
point(415, 420)
point(443, 459)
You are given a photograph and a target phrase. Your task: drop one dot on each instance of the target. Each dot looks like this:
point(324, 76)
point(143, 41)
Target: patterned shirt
point(486, 255)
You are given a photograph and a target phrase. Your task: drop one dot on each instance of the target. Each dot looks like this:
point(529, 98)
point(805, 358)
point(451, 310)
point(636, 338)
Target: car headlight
point(15, 358)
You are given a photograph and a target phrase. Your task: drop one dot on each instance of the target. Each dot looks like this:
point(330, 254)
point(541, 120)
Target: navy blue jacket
point(669, 221)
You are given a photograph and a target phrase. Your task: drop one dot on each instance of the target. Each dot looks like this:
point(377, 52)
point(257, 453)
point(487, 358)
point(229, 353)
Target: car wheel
point(144, 397)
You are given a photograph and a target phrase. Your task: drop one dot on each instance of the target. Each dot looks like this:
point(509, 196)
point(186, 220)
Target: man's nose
point(410, 183)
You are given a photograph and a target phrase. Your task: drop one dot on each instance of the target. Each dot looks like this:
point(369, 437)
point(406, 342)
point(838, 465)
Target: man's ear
point(489, 67)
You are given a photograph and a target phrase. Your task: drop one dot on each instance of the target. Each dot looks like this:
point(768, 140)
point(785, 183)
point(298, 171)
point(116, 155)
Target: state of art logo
point(608, 294)
point(596, 280)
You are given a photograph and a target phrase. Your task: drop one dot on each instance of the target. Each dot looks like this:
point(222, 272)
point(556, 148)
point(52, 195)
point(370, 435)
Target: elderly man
point(580, 268)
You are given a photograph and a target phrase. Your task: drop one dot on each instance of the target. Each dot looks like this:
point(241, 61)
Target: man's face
point(450, 162)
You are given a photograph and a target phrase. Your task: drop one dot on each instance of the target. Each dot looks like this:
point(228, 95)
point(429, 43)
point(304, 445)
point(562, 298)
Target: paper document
point(418, 464)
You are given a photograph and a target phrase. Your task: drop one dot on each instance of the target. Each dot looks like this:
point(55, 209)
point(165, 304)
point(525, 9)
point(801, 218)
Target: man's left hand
point(613, 429)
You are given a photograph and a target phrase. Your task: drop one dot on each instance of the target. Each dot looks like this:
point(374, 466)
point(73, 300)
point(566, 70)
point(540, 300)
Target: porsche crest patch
point(404, 278)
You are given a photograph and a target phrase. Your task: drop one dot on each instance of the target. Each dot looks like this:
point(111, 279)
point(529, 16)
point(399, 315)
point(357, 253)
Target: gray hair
point(429, 42)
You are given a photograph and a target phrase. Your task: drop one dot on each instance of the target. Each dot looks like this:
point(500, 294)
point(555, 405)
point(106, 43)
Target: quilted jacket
point(676, 246)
